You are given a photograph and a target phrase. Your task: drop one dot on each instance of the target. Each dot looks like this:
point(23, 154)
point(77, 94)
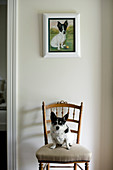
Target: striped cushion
point(61, 154)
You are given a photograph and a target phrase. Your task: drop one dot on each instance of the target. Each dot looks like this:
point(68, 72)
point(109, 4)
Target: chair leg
point(40, 166)
point(87, 166)
point(75, 166)
point(47, 167)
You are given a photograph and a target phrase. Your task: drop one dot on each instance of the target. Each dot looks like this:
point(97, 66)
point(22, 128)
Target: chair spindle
point(62, 111)
point(68, 111)
point(56, 111)
point(73, 113)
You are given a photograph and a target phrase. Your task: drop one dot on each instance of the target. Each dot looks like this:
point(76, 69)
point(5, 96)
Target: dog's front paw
point(68, 147)
point(70, 144)
point(53, 147)
point(63, 46)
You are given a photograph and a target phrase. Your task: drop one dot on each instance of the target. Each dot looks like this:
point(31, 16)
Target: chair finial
point(62, 101)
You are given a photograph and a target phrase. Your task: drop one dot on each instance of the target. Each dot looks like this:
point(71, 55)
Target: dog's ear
point(53, 116)
point(66, 23)
point(59, 25)
point(66, 117)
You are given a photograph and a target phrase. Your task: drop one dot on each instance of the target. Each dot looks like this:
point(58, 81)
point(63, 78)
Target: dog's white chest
point(59, 136)
point(61, 38)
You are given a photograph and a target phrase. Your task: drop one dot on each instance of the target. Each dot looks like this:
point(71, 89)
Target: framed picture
point(61, 35)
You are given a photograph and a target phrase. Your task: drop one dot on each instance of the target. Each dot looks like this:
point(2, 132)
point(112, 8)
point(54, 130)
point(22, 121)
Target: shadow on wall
point(30, 135)
point(31, 119)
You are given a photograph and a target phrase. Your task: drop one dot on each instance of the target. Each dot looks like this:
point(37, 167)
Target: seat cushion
point(61, 154)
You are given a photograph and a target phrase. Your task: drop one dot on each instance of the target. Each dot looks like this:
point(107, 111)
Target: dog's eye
point(60, 122)
point(55, 123)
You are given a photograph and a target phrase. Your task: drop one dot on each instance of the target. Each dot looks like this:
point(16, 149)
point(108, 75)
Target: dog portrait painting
point(61, 33)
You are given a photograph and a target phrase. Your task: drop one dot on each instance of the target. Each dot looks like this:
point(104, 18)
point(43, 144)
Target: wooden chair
point(77, 154)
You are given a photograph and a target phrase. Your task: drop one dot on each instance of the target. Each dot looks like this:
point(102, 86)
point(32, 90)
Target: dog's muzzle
point(57, 127)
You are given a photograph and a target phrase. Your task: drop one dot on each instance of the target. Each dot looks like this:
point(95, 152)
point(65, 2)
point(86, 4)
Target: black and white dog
point(58, 40)
point(60, 131)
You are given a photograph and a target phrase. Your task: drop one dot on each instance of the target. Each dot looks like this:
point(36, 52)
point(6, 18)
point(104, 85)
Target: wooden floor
point(3, 150)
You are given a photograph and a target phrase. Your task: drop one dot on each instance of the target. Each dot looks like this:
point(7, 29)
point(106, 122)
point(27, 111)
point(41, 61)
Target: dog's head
point(58, 122)
point(62, 27)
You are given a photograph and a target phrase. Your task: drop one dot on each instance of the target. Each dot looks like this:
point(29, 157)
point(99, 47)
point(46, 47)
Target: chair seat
point(61, 154)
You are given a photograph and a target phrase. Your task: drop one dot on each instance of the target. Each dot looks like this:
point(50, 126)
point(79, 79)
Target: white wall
point(107, 86)
point(71, 79)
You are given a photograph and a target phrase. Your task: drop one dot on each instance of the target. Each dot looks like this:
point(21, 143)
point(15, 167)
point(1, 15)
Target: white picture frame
point(71, 48)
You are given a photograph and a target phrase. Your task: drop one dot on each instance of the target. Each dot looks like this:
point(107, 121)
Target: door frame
point(12, 78)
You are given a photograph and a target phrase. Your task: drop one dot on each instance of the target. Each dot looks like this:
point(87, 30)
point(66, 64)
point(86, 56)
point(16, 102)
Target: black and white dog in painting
point(59, 39)
point(60, 131)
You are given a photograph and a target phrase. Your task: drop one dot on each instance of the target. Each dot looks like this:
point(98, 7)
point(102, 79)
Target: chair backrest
point(64, 108)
